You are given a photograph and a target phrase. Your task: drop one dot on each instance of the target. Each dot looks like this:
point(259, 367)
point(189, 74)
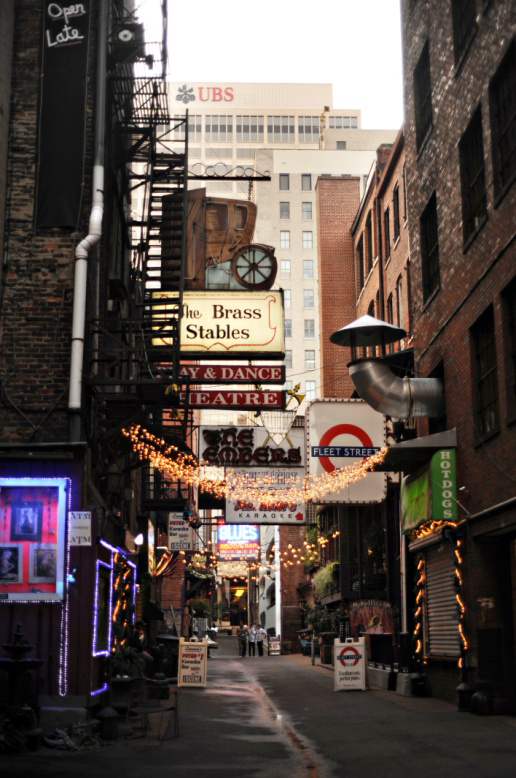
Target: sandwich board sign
point(350, 665)
point(192, 664)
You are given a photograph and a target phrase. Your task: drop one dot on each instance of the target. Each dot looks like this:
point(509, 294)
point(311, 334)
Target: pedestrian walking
point(242, 632)
point(260, 637)
point(251, 640)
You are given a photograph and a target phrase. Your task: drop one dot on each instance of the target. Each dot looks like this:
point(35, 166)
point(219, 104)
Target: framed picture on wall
point(26, 520)
point(42, 563)
point(11, 563)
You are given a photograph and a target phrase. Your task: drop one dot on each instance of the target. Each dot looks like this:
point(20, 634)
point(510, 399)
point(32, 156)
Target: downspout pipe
point(401, 398)
point(86, 245)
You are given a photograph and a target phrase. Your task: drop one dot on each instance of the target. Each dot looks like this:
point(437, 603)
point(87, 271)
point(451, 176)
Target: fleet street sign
point(234, 399)
point(233, 374)
point(342, 433)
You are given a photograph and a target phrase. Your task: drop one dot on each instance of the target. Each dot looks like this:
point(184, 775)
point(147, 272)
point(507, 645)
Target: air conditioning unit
point(128, 42)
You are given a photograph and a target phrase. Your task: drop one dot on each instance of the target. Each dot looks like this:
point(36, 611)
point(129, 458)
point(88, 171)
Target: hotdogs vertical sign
point(65, 43)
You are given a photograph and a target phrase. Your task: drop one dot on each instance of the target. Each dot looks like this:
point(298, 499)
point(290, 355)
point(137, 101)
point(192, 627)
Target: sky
point(353, 44)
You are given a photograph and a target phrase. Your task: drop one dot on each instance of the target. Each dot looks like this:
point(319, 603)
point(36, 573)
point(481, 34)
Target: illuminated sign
point(430, 494)
point(342, 433)
point(276, 481)
point(238, 542)
point(32, 538)
point(233, 374)
point(217, 324)
point(250, 446)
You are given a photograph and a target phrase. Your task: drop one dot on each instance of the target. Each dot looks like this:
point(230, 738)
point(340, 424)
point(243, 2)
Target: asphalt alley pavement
point(279, 716)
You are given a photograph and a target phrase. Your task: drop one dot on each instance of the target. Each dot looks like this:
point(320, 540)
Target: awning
point(410, 455)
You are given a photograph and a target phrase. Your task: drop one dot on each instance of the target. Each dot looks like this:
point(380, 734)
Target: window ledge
point(486, 437)
point(388, 259)
point(502, 192)
point(395, 244)
point(474, 234)
point(431, 298)
point(424, 142)
point(464, 54)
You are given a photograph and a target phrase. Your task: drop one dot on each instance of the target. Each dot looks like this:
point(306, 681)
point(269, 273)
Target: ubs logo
point(206, 94)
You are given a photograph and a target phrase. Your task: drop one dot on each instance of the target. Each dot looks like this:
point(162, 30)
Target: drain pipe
point(400, 398)
point(84, 248)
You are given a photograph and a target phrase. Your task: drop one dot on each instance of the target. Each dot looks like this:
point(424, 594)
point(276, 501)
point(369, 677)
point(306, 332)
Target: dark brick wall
point(6, 53)
point(35, 334)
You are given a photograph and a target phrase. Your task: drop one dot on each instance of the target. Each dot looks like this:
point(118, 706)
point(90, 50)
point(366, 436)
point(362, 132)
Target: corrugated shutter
point(441, 610)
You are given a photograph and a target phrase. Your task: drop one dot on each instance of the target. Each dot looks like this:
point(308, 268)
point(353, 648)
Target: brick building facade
point(459, 67)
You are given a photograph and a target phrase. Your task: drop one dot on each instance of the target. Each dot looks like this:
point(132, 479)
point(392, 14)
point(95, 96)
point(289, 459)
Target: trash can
point(170, 645)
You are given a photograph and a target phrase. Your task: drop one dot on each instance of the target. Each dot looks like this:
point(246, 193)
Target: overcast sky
point(353, 44)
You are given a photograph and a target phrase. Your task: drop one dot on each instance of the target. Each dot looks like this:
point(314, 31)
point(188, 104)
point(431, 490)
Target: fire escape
point(135, 346)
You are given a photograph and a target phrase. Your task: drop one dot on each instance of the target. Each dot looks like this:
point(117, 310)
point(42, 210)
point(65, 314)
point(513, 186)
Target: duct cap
point(367, 331)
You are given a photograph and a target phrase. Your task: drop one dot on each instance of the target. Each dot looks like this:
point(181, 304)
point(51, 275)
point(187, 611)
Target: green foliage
point(322, 619)
point(221, 611)
point(126, 660)
point(324, 582)
point(201, 609)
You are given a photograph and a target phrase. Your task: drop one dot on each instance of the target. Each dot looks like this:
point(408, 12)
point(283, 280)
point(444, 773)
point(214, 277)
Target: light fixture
point(138, 541)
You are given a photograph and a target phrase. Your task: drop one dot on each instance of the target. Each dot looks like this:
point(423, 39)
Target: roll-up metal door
point(441, 604)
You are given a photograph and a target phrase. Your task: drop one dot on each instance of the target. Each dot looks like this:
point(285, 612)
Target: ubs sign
point(206, 94)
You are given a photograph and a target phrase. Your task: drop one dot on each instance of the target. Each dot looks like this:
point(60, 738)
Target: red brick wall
point(292, 575)
point(337, 204)
point(471, 277)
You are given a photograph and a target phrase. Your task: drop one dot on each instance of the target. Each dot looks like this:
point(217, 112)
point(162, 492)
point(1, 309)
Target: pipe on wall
point(401, 398)
point(86, 245)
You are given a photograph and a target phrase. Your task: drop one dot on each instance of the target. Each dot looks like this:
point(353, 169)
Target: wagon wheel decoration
point(255, 267)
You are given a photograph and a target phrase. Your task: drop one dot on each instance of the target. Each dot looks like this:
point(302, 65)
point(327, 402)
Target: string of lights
point(177, 465)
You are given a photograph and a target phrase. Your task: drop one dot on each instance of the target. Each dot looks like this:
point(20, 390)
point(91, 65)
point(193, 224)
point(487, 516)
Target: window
point(502, 101)
point(308, 242)
point(285, 268)
point(284, 210)
point(308, 298)
point(249, 128)
point(287, 298)
point(284, 182)
point(464, 25)
point(284, 239)
point(310, 360)
point(509, 310)
point(309, 328)
point(340, 122)
point(396, 212)
point(308, 129)
point(341, 145)
point(423, 96)
point(472, 177)
point(389, 309)
point(429, 248)
point(288, 328)
point(387, 233)
point(360, 261)
point(281, 129)
point(218, 128)
point(194, 128)
point(306, 182)
point(309, 391)
point(288, 358)
point(307, 211)
point(399, 301)
point(485, 373)
point(369, 242)
point(287, 386)
point(241, 214)
point(308, 268)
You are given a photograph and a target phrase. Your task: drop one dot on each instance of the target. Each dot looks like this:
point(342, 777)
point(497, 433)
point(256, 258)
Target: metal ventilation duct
point(401, 398)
